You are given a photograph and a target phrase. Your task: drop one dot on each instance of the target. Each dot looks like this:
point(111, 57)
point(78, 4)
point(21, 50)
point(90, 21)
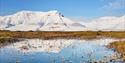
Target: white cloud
point(115, 5)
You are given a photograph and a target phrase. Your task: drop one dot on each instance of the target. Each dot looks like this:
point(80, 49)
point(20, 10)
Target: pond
point(57, 51)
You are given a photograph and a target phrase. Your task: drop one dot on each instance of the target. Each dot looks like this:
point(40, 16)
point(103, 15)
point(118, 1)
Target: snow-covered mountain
point(42, 21)
point(55, 21)
point(108, 23)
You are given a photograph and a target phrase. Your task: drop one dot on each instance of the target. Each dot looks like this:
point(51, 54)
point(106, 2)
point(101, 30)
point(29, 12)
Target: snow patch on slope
point(108, 23)
point(42, 21)
point(55, 21)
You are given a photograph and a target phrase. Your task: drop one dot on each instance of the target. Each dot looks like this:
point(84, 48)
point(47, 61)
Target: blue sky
point(70, 8)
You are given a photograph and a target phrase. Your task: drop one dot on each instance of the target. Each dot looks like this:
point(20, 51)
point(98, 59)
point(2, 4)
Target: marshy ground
point(62, 34)
point(119, 46)
point(7, 37)
point(12, 36)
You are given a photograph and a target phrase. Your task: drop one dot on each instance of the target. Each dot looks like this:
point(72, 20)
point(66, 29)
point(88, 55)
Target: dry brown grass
point(66, 35)
point(119, 46)
point(5, 41)
point(10, 36)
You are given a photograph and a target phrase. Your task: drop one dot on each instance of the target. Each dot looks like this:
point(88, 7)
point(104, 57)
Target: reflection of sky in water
point(76, 52)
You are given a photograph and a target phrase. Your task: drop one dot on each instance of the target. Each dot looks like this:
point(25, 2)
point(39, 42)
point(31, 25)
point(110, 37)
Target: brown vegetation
point(62, 34)
point(119, 46)
point(13, 36)
point(5, 41)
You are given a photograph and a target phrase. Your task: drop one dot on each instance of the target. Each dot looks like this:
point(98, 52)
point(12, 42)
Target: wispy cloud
point(117, 4)
point(113, 5)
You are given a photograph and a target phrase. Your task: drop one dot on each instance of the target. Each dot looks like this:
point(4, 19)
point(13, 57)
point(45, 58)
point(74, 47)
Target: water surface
point(56, 51)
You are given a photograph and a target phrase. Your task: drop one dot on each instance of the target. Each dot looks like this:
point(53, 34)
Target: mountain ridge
point(43, 21)
point(55, 21)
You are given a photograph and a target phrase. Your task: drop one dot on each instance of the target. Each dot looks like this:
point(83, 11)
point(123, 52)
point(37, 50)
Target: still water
point(56, 51)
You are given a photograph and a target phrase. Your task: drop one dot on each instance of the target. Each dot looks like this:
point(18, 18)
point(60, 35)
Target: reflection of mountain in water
point(58, 50)
point(37, 45)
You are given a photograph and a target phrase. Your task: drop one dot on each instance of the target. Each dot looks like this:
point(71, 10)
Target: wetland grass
point(119, 46)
